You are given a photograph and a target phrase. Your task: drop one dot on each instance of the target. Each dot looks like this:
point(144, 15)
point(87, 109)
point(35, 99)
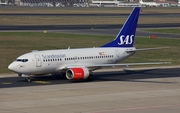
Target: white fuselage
point(52, 61)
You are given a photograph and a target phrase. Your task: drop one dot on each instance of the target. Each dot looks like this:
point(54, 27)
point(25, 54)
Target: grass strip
point(79, 20)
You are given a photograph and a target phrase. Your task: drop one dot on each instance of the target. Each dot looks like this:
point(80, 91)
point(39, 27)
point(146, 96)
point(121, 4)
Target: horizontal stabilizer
point(146, 49)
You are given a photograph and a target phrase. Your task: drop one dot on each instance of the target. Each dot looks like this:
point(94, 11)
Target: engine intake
point(77, 73)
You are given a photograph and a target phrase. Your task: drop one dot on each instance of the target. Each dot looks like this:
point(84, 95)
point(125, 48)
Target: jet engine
point(77, 73)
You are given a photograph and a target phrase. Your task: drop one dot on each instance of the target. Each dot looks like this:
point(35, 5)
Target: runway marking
point(42, 82)
point(136, 108)
point(6, 83)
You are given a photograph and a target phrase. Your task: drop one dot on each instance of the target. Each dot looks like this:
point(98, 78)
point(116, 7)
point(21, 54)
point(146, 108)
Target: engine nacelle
point(77, 73)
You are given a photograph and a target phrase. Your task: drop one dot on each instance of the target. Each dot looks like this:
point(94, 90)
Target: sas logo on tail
point(128, 39)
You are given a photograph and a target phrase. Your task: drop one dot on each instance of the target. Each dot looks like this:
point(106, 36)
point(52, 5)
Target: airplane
point(149, 4)
point(79, 64)
point(3, 4)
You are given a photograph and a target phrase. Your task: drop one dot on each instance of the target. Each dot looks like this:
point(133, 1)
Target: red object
point(153, 36)
point(78, 73)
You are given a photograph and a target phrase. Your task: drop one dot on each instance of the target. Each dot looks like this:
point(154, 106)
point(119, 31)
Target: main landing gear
point(90, 78)
point(63, 75)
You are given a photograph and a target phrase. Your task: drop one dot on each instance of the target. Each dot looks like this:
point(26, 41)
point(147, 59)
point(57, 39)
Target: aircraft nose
point(12, 67)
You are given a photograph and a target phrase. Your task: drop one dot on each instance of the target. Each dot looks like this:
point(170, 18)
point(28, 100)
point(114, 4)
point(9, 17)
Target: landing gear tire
point(90, 78)
point(28, 79)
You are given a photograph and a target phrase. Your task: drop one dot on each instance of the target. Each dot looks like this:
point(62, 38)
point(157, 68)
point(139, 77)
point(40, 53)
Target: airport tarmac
point(140, 90)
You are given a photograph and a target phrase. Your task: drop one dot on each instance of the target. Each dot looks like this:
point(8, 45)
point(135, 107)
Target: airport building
point(87, 3)
point(46, 3)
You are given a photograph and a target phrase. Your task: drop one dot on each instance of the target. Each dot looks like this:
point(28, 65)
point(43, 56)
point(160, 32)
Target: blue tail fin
point(126, 35)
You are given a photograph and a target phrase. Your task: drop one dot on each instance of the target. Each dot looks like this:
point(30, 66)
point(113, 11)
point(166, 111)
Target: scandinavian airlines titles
point(53, 56)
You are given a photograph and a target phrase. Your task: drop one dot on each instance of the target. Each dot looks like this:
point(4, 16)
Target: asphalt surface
point(114, 32)
point(72, 27)
point(121, 76)
point(154, 90)
point(93, 29)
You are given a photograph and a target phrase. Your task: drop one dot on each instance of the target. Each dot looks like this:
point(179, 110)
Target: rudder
point(126, 35)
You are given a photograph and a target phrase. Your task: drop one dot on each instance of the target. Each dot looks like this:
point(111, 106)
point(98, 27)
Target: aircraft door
point(38, 61)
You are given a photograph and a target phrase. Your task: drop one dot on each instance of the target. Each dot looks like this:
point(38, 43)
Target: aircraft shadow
point(138, 75)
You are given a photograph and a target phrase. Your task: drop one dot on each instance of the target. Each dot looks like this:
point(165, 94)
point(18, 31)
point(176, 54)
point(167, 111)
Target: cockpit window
point(21, 60)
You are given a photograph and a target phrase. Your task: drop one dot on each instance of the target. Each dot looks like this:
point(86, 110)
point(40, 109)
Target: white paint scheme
point(80, 63)
point(35, 66)
point(150, 4)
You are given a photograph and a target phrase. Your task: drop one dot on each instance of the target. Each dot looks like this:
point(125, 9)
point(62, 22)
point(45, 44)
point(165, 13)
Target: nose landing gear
point(27, 77)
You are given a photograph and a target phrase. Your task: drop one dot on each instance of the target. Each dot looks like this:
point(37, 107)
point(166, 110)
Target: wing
point(100, 66)
point(123, 65)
